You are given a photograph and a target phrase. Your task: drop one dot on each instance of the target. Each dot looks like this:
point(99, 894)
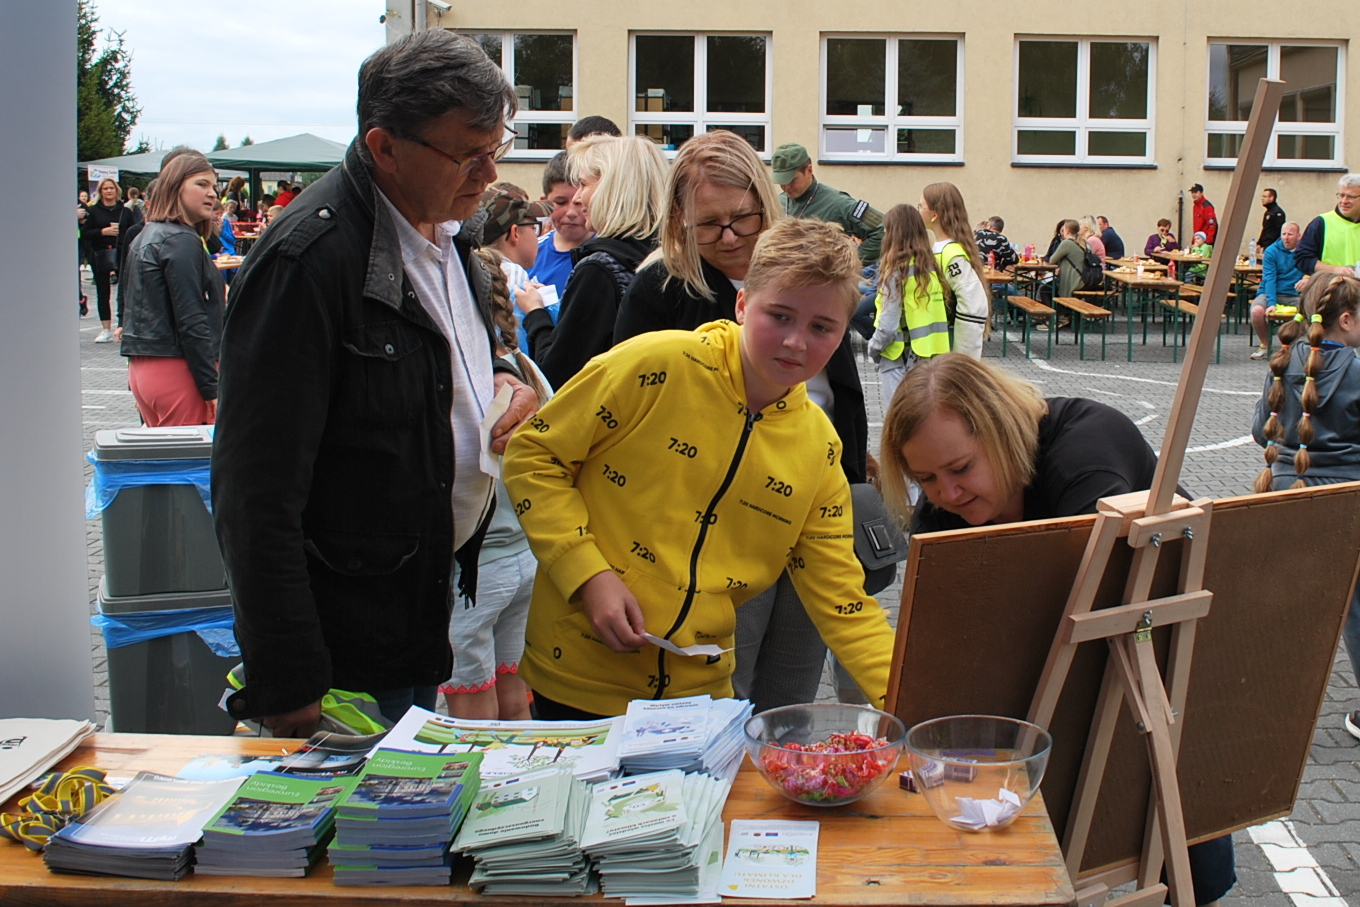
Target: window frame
point(891, 122)
point(1273, 161)
point(526, 117)
point(701, 118)
point(1083, 123)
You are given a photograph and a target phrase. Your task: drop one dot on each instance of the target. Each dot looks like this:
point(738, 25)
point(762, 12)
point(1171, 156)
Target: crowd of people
point(662, 350)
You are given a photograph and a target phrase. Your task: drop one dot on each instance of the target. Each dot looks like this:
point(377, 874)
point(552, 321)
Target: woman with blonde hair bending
point(957, 256)
point(988, 448)
point(719, 202)
point(621, 185)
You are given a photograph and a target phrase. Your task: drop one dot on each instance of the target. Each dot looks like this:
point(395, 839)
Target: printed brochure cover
point(640, 806)
point(519, 808)
point(270, 804)
point(590, 749)
point(411, 785)
point(153, 811)
point(770, 859)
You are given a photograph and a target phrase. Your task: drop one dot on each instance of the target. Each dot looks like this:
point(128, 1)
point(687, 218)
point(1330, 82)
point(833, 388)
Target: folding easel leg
point(1093, 764)
point(1161, 752)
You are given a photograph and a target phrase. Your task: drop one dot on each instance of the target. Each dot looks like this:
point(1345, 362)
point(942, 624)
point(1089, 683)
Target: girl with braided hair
point(488, 636)
point(1308, 418)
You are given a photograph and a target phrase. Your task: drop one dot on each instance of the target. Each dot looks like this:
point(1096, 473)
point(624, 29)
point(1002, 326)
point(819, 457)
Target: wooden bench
point(1028, 310)
point(1182, 311)
point(1083, 310)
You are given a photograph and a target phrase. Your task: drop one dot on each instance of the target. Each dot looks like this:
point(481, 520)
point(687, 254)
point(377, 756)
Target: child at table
point(1200, 246)
point(680, 473)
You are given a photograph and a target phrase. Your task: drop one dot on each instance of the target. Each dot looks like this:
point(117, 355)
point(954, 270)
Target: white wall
point(45, 668)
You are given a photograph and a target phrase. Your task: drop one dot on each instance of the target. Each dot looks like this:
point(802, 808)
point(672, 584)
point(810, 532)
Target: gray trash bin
point(168, 684)
point(159, 537)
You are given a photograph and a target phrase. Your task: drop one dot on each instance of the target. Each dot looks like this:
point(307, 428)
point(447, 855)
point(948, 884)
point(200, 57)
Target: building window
point(542, 67)
point(1308, 131)
point(688, 84)
point(892, 99)
point(1087, 101)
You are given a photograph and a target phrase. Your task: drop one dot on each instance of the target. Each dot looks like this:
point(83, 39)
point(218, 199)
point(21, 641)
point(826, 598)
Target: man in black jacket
point(356, 368)
point(1272, 222)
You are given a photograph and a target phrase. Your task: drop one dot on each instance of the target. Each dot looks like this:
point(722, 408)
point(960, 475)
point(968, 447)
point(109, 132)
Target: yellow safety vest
point(925, 326)
point(1340, 240)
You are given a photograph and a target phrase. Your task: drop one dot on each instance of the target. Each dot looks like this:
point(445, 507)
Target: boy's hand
point(613, 612)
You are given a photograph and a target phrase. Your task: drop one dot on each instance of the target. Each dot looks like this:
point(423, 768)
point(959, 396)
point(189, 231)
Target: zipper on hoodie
point(751, 419)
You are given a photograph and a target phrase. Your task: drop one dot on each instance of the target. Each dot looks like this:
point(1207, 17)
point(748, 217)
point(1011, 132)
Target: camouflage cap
point(506, 206)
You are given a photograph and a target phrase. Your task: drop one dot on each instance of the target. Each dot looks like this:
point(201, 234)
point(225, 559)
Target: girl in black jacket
point(172, 320)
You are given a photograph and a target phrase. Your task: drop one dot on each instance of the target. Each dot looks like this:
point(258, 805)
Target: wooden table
point(1140, 293)
point(885, 849)
point(1030, 274)
point(1148, 264)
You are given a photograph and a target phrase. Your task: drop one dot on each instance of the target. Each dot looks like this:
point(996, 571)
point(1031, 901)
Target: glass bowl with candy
point(824, 753)
point(978, 772)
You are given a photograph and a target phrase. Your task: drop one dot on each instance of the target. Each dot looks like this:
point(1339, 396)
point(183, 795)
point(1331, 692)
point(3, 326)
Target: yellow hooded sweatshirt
point(648, 463)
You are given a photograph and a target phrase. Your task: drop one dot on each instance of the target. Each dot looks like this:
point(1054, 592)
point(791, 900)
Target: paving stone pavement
point(1222, 461)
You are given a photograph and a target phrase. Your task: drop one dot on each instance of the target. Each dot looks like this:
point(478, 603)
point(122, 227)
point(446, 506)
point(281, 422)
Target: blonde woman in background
point(621, 185)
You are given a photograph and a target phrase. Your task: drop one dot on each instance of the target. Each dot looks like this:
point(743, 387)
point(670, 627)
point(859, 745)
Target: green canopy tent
point(148, 163)
point(298, 152)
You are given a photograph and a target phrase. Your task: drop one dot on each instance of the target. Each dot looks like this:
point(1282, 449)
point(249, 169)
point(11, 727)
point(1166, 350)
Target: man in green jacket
point(804, 196)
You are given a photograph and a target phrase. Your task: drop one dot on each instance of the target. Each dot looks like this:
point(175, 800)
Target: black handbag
point(879, 543)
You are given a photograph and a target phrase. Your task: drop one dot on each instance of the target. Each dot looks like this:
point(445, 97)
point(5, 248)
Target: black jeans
point(105, 263)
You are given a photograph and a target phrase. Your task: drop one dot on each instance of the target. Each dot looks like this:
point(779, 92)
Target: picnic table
point(885, 849)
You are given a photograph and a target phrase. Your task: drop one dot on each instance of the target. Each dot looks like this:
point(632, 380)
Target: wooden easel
point(1145, 520)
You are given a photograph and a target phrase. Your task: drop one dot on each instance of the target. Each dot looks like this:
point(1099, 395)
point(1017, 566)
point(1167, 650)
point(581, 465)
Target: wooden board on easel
point(973, 634)
point(1142, 567)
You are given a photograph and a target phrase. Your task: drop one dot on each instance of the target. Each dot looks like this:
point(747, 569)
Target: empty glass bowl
point(978, 772)
point(825, 753)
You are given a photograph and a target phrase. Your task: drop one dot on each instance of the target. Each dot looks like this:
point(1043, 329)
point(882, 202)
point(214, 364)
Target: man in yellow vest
point(1331, 244)
point(908, 318)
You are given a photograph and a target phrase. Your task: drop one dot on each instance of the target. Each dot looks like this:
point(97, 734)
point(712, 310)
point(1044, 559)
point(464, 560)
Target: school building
point(1037, 111)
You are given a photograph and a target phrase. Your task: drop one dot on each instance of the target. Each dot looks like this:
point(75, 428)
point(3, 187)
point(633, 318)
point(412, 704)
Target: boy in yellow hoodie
point(676, 475)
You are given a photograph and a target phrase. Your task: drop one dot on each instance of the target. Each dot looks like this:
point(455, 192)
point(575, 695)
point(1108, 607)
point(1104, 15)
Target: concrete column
point(45, 669)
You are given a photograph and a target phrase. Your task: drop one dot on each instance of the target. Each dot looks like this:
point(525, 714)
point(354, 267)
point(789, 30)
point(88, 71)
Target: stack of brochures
point(590, 749)
point(276, 825)
point(146, 831)
point(395, 826)
point(693, 734)
point(30, 746)
point(656, 835)
point(525, 834)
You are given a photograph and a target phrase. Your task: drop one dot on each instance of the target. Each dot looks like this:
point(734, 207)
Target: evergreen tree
point(221, 143)
point(106, 108)
point(247, 141)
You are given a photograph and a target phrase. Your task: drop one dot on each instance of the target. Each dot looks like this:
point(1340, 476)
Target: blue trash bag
point(213, 626)
point(112, 476)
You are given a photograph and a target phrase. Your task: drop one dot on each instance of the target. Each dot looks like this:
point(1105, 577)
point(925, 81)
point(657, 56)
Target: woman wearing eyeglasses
point(719, 200)
point(620, 183)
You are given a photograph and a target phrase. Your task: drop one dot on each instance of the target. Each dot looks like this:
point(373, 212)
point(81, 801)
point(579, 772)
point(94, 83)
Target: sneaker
point(104, 337)
point(84, 306)
point(1352, 723)
point(1261, 354)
